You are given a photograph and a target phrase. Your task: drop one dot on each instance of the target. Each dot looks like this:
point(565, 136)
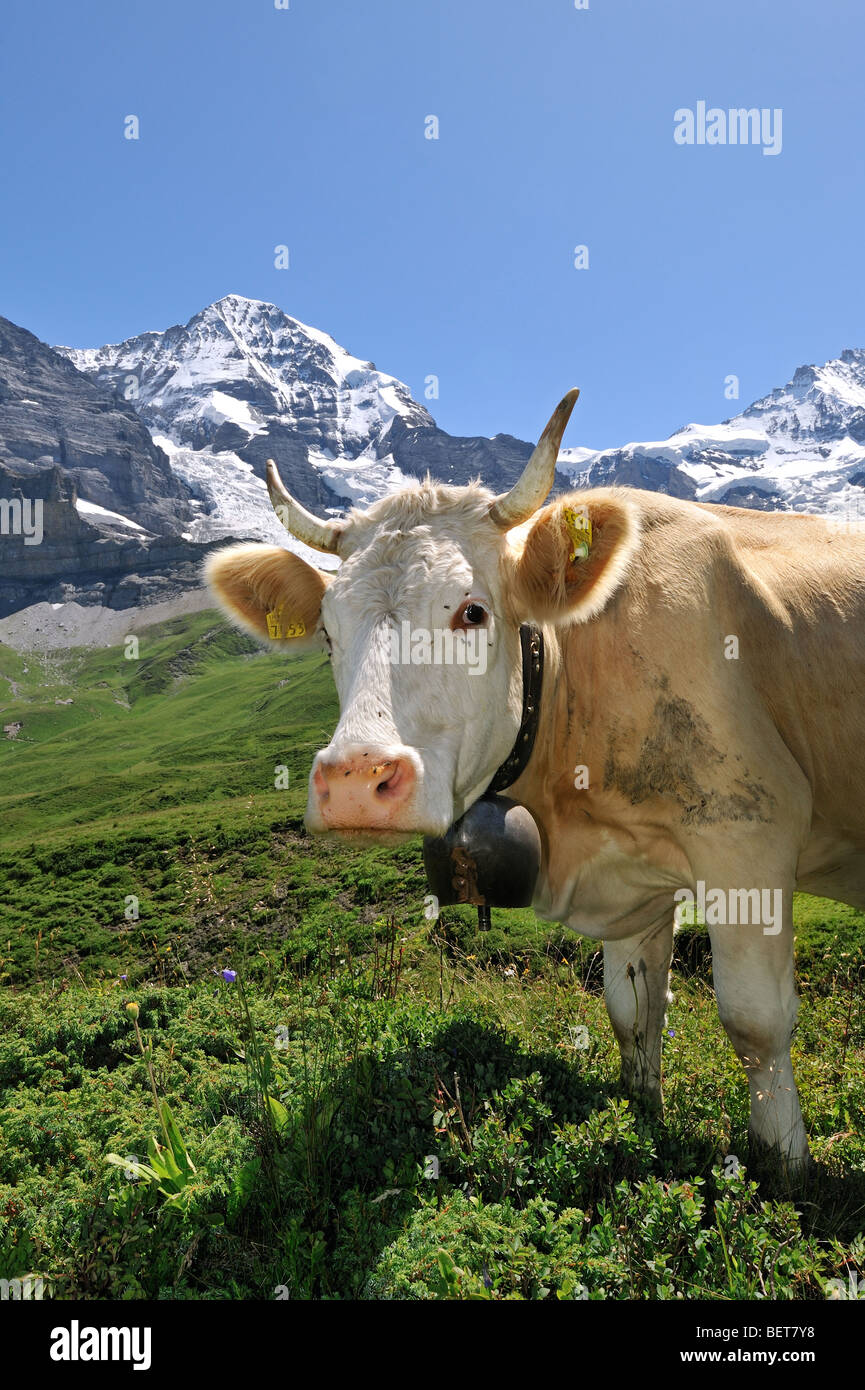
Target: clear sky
point(305, 127)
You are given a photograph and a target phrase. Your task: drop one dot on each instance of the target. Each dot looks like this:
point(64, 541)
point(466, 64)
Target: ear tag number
point(280, 631)
point(578, 524)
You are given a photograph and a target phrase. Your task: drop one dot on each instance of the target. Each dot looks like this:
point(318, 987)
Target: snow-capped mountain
point(242, 382)
point(801, 448)
point(222, 378)
point(146, 453)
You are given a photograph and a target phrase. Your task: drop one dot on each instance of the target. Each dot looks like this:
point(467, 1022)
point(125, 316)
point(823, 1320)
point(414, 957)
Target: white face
point(427, 668)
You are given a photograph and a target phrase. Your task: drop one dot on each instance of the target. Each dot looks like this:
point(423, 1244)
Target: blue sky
point(453, 257)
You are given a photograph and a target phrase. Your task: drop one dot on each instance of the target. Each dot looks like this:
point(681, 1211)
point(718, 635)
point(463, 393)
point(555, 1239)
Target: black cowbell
point(490, 857)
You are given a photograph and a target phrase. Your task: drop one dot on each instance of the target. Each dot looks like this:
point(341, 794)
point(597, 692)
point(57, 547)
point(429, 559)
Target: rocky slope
point(90, 557)
point(112, 510)
point(52, 414)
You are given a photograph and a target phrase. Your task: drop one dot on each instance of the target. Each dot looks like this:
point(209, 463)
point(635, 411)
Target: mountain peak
point(252, 317)
point(243, 362)
point(820, 402)
point(233, 300)
point(801, 447)
point(242, 381)
point(237, 309)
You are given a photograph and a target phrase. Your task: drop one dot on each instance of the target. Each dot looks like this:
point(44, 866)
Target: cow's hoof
point(785, 1172)
point(647, 1098)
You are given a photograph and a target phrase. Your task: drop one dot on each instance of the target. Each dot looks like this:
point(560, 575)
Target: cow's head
point(422, 622)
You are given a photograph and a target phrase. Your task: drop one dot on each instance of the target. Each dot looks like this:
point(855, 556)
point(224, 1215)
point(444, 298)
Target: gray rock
point(53, 415)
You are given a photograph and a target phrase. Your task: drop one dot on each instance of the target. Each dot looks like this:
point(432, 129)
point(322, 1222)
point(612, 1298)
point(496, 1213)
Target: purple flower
point(229, 976)
point(124, 977)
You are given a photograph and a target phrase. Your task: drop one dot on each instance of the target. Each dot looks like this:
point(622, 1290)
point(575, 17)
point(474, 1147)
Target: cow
point(699, 736)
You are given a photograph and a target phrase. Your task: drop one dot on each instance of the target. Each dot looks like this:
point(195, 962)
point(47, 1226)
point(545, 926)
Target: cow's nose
point(364, 791)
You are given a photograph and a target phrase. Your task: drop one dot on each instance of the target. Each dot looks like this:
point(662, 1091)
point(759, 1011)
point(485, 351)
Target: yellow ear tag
point(579, 527)
point(281, 632)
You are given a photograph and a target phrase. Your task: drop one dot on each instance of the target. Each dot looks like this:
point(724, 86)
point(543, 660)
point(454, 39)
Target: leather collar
point(532, 643)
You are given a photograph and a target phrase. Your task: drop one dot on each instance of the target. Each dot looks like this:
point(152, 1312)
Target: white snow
point(792, 443)
point(247, 363)
point(91, 509)
point(235, 502)
point(361, 480)
point(221, 407)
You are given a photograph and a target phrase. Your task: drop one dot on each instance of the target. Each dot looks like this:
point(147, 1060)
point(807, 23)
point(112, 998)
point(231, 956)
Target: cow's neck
point(585, 785)
point(532, 647)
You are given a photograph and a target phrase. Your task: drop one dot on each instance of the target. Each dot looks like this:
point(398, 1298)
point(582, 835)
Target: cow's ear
point(574, 557)
point(268, 591)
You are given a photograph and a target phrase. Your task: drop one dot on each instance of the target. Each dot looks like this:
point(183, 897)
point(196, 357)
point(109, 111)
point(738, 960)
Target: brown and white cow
point(701, 731)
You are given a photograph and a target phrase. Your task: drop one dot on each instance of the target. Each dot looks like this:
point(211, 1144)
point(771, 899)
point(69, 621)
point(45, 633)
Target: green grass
point(358, 1039)
point(201, 717)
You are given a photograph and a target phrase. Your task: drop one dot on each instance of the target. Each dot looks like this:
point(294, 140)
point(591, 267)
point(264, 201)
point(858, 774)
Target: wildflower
point(132, 1009)
point(229, 976)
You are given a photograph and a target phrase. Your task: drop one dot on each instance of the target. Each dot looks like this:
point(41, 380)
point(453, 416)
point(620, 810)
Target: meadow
point(236, 1063)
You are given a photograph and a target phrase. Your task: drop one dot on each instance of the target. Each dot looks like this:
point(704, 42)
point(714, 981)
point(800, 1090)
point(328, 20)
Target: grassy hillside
point(201, 716)
point(146, 850)
point(155, 779)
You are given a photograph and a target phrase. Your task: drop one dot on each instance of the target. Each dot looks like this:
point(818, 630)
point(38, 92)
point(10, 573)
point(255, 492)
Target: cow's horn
point(527, 494)
point(321, 535)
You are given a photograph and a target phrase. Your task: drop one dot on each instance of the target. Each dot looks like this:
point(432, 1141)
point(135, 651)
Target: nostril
point(389, 772)
point(320, 783)
point(392, 779)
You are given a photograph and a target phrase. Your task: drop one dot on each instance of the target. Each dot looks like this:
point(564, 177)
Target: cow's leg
point(757, 1002)
point(636, 980)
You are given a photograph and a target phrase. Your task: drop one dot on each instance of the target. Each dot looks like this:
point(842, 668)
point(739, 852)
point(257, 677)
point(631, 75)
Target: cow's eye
point(471, 614)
